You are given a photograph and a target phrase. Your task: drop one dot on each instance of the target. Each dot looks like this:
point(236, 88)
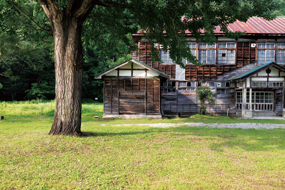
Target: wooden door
point(132, 103)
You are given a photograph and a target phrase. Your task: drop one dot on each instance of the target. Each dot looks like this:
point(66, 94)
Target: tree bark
point(68, 74)
point(66, 23)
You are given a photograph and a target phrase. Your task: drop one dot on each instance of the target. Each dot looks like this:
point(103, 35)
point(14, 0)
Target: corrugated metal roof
point(254, 25)
point(251, 71)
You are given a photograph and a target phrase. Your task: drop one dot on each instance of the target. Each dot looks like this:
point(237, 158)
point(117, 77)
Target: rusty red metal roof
point(254, 25)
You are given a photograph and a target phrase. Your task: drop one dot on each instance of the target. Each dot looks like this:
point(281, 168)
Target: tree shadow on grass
point(246, 139)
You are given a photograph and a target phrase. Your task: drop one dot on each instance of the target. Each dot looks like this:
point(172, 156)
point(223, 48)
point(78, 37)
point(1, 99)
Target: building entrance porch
point(260, 101)
point(252, 103)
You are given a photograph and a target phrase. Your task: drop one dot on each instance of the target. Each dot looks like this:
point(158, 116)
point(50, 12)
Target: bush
point(204, 94)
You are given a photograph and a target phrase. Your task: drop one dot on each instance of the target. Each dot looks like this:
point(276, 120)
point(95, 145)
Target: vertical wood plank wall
point(132, 96)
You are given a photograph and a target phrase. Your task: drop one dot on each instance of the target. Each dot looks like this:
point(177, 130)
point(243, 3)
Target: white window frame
point(280, 53)
point(226, 57)
point(208, 49)
point(266, 51)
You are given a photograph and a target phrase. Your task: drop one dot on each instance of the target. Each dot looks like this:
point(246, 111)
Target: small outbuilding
point(132, 89)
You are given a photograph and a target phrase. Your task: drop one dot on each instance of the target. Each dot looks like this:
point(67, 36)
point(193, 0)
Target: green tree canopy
point(104, 24)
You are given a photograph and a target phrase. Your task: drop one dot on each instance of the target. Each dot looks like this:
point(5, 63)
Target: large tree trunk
point(68, 74)
point(66, 22)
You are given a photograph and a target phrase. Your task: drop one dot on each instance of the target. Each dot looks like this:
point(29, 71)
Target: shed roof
point(257, 69)
point(99, 76)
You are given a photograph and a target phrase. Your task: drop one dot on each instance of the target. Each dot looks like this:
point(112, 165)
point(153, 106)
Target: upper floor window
point(280, 53)
point(164, 56)
point(207, 53)
point(192, 46)
point(265, 53)
point(226, 53)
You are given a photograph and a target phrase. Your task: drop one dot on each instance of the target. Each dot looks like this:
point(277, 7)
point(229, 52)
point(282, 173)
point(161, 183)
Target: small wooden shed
point(132, 89)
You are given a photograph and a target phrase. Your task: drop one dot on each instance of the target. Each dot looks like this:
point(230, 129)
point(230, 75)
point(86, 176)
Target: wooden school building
point(247, 74)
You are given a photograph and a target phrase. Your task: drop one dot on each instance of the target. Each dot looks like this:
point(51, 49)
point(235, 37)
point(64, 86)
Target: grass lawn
point(134, 157)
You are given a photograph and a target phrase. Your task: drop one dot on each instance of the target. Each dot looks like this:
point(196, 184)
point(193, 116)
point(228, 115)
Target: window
point(263, 97)
point(265, 53)
point(257, 97)
point(223, 91)
point(226, 53)
point(187, 86)
point(164, 56)
point(264, 84)
point(192, 46)
point(207, 53)
point(280, 53)
point(239, 97)
point(223, 84)
point(168, 86)
point(275, 84)
point(212, 84)
point(259, 84)
point(191, 84)
point(182, 84)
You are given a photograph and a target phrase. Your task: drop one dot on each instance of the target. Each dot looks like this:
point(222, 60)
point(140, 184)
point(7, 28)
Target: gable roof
point(99, 76)
point(254, 25)
point(256, 70)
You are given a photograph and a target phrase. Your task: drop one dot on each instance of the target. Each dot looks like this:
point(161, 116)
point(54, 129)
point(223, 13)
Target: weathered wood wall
point(278, 102)
point(132, 96)
point(186, 104)
point(245, 54)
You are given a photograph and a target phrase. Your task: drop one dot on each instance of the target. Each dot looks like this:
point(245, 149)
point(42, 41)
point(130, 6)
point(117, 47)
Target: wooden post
point(118, 102)
point(250, 99)
point(145, 98)
point(145, 102)
point(244, 98)
point(111, 96)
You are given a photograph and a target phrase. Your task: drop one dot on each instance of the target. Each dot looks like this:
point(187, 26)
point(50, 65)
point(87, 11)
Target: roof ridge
point(241, 75)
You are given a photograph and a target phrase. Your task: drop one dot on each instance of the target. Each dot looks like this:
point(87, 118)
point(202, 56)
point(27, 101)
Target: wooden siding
point(245, 54)
point(132, 96)
point(186, 104)
point(144, 56)
point(278, 102)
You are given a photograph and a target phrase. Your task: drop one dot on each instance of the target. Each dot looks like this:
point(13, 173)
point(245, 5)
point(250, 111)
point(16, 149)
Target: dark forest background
point(27, 66)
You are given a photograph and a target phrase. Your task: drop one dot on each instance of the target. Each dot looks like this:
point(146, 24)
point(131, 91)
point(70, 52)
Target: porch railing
point(256, 106)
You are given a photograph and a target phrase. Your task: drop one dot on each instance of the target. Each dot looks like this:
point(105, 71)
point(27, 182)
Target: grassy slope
point(133, 157)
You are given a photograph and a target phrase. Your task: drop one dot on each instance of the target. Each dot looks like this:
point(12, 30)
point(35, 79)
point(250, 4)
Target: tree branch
point(84, 8)
point(48, 31)
point(69, 6)
point(111, 4)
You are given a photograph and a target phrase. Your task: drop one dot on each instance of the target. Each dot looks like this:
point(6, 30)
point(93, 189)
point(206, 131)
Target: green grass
point(133, 157)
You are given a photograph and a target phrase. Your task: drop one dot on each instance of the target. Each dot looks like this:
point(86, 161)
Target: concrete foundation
point(127, 116)
point(247, 114)
point(250, 114)
point(283, 113)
